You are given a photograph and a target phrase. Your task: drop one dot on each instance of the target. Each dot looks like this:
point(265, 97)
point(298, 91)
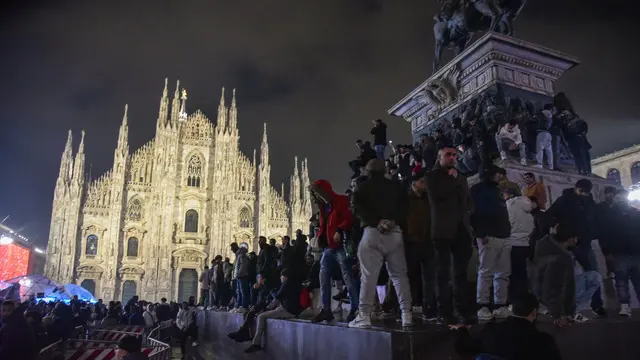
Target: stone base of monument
point(299, 339)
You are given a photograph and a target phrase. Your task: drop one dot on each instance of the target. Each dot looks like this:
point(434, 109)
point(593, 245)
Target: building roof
point(615, 155)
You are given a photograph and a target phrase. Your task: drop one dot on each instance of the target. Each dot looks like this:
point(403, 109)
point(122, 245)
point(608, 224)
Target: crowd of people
point(400, 240)
point(30, 326)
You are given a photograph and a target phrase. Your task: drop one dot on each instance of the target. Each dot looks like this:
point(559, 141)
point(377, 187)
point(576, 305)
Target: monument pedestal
point(496, 79)
point(520, 69)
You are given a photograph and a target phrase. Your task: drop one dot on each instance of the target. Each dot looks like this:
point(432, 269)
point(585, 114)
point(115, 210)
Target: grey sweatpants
point(494, 265)
point(375, 250)
point(277, 313)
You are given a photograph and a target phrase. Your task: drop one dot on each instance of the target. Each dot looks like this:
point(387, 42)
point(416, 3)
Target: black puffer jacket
point(575, 211)
point(490, 216)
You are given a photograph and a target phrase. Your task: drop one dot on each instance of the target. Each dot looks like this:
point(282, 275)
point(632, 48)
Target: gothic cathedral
point(149, 225)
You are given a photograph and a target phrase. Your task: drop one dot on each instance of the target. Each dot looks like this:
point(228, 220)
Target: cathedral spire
point(222, 113)
point(163, 113)
point(175, 106)
point(65, 161)
point(264, 148)
point(233, 113)
point(123, 135)
point(78, 171)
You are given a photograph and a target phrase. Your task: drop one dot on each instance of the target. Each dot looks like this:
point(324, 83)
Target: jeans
point(421, 266)
point(505, 143)
point(380, 151)
point(587, 259)
point(278, 313)
point(544, 148)
point(627, 268)
point(519, 279)
point(587, 284)
point(459, 250)
point(242, 293)
point(494, 267)
point(328, 260)
point(374, 250)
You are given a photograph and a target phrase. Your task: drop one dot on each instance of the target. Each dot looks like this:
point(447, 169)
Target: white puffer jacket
point(521, 220)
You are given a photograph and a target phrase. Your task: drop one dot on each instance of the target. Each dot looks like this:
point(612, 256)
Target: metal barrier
point(100, 343)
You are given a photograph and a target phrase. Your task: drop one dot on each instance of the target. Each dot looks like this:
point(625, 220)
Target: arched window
point(132, 247)
point(194, 171)
point(191, 221)
point(245, 218)
point(614, 174)
point(89, 285)
point(134, 210)
point(635, 173)
point(92, 246)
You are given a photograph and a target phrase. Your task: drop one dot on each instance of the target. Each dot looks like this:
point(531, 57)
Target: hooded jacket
point(521, 220)
point(490, 216)
point(618, 230)
point(335, 217)
point(241, 269)
point(554, 279)
point(576, 210)
point(379, 198)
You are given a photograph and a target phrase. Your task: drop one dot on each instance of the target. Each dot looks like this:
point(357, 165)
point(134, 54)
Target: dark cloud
point(316, 72)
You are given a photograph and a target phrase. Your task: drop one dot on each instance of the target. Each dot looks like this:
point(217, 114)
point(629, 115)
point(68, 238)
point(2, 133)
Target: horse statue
point(458, 20)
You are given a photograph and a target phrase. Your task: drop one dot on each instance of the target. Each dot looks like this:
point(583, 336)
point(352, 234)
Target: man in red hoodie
point(335, 220)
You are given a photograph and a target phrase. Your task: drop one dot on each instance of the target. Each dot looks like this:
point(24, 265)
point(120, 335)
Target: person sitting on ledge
point(260, 301)
point(285, 305)
point(516, 338)
point(509, 136)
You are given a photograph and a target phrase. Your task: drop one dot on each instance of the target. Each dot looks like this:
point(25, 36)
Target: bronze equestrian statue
point(458, 20)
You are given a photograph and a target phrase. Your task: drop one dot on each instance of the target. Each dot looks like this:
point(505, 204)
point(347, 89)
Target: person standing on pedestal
point(379, 133)
point(451, 232)
point(543, 137)
point(419, 248)
point(382, 205)
point(490, 221)
point(335, 220)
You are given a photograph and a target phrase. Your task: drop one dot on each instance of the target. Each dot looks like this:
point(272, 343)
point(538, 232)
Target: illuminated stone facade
point(621, 166)
point(150, 224)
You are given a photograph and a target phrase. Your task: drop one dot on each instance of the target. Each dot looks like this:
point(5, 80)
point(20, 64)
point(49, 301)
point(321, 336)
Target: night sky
point(317, 72)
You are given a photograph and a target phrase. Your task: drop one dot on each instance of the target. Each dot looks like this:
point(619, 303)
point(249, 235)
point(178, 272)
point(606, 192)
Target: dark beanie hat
point(584, 184)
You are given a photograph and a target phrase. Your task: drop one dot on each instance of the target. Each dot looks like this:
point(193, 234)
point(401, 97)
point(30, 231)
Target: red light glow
point(14, 261)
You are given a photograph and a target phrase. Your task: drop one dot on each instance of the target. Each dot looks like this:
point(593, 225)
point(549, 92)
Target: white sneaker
point(542, 310)
point(361, 322)
point(195, 343)
point(501, 312)
point(242, 310)
point(503, 155)
point(625, 310)
point(484, 314)
point(578, 318)
point(407, 319)
point(523, 162)
point(233, 311)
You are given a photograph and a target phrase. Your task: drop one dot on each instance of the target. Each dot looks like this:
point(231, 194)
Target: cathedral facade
point(149, 225)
